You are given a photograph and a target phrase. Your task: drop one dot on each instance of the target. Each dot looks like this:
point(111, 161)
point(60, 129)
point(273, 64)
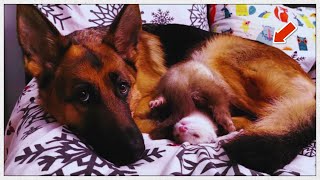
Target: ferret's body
point(185, 88)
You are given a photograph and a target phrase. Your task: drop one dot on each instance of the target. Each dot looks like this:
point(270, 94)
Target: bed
point(35, 144)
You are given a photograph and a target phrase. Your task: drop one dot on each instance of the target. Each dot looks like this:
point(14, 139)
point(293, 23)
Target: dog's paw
point(157, 102)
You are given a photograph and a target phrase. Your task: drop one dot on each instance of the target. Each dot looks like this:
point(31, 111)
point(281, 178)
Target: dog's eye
point(84, 96)
point(84, 93)
point(123, 88)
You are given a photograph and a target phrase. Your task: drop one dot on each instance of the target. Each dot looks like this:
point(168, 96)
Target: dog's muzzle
point(118, 144)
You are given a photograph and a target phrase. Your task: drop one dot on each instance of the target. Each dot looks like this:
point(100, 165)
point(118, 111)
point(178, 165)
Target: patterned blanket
point(35, 144)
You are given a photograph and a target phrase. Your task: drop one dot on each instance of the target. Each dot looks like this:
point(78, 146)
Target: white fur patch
point(199, 129)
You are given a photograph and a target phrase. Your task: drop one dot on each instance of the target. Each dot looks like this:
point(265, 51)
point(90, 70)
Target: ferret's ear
point(125, 30)
point(41, 42)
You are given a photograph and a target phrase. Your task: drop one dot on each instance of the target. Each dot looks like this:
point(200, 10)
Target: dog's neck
point(149, 46)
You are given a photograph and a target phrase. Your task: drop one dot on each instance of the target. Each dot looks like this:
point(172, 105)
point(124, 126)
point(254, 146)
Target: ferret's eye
point(196, 135)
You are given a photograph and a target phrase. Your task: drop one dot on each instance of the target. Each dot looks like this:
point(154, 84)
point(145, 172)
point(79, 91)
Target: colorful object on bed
point(267, 20)
point(266, 35)
point(281, 13)
point(35, 144)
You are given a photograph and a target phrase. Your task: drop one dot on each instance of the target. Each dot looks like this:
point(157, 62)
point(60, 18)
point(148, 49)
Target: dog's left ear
point(126, 29)
point(41, 42)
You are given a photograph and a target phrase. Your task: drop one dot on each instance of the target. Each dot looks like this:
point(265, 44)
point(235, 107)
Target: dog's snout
point(129, 153)
point(120, 151)
point(137, 149)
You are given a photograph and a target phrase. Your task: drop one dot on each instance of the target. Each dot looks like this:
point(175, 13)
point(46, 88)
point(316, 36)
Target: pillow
point(260, 22)
point(68, 18)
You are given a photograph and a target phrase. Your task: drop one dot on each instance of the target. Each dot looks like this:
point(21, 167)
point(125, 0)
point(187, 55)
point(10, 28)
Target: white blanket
point(35, 144)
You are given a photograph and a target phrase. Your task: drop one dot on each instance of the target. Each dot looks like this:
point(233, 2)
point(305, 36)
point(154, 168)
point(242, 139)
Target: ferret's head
point(196, 128)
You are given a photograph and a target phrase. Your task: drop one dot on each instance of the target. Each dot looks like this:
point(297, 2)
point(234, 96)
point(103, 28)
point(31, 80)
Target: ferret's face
point(196, 128)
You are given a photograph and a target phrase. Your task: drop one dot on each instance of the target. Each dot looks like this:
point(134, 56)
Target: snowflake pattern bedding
point(35, 144)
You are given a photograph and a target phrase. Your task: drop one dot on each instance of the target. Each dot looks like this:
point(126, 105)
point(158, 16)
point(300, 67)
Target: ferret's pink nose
point(183, 129)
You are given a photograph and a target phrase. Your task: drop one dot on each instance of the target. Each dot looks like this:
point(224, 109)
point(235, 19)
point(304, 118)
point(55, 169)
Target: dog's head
point(85, 78)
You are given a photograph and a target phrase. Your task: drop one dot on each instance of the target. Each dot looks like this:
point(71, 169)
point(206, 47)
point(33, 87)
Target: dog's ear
point(126, 29)
point(41, 42)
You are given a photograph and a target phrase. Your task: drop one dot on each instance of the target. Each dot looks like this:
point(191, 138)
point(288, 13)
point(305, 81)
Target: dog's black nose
point(126, 154)
point(137, 150)
point(120, 149)
point(118, 141)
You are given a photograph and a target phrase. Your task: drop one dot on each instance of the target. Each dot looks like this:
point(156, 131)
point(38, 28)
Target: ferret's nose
point(183, 129)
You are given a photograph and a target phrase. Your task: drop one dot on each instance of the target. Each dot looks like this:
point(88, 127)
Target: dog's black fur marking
point(177, 40)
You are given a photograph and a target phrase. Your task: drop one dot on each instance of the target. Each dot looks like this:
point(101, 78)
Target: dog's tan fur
point(271, 86)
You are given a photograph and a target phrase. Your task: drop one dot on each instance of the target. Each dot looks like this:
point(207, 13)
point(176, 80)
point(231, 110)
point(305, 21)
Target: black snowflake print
point(156, 153)
point(33, 113)
point(198, 16)
point(187, 166)
point(105, 14)
point(310, 150)
point(68, 150)
point(54, 11)
point(161, 17)
point(211, 158)
point(30, 131)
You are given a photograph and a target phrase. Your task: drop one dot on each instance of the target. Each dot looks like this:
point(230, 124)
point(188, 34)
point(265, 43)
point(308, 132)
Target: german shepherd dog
point(97, 79)
point(100, 81)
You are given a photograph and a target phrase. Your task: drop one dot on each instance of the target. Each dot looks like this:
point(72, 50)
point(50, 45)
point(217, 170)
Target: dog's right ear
point(41, 42)
point(125, 30)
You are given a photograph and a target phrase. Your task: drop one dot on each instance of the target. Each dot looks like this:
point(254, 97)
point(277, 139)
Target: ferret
point(190, 90)
point(199, 128)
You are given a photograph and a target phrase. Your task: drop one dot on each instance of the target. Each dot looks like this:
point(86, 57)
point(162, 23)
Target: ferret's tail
point(276, 139)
